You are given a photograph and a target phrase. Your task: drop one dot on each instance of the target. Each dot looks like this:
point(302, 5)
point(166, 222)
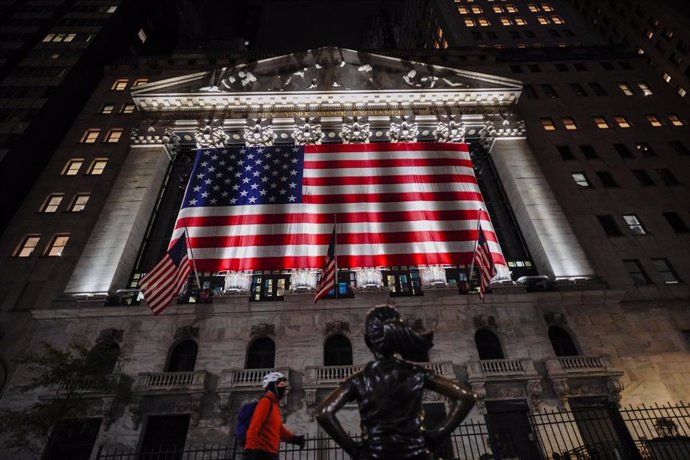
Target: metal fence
point(595, 432)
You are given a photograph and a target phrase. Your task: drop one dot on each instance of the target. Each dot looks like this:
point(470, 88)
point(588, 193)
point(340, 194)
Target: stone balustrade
point(500, 369)
point(578, 365)
point(87, 385)
point(164, 382)
point(331, 376)
point(248, 379)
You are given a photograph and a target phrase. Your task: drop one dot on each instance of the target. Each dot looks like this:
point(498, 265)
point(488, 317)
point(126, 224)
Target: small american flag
point(166, 279)
point(327, 281)
point(484, 263)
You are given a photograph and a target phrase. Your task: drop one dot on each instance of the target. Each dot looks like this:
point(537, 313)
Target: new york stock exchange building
point(563, 360)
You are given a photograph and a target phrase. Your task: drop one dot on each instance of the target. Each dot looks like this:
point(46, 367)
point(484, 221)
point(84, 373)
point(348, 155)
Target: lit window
point(511, 9)
point(519, 21)
point(72, 167)
point(107, 108)
point(666, 77)
point(546, 7)
point(484, 22)
point(476, 10)
point(569, 123)
point(636, 272)
point(649, 34)
point(70, 37)
point(79, 202)
point(49, 38)
point(682, 92)
point(557, 20)
point(547, 124)
point(621, 121)
point(542, 20)
point(533, 8)
point(52, 202)
point(113, 136)
point(140, 81)
point(462, 10)
point(119, 85)
point(111, 9)
point(57, 245)
point(505, 21)
point(634, 224)
point(581, 180)
point(27, 246)
point(645, 149)
point(646, 90)
point(653, 120)
point(97, 166)
point(469, 22)
point(666, 272)
point(498, 9)
point(675, 121)
point(601, 122)
point(90, 136)
point(625, 89)
point(128, 108)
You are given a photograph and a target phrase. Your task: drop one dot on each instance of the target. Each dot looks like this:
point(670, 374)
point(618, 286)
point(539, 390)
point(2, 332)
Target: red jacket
point(266, 428)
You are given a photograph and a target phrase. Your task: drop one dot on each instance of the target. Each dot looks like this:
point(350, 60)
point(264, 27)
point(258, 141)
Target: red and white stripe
point(163, 282)
point(485, 266)
point(396, 204)
point(327, 281)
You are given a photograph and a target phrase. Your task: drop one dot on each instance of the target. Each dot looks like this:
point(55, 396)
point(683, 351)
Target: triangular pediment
point(329, 72)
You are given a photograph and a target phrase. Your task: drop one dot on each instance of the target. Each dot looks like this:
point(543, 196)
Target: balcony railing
point(153, 382)
point(497, 369)
point(248, 379)
point(576, 363)
point(333, 375)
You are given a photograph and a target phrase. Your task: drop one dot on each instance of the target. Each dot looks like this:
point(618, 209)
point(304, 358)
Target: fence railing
point(593, 432)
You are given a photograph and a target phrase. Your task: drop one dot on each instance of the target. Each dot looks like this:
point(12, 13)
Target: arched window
point(561, 341)
point(183, 357)
point(103, 356)
point(337, 351)
point(488, 345)
point(261, 354)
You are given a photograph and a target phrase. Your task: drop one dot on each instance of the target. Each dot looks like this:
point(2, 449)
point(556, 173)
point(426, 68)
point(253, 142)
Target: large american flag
point(165, 280)
point(269, 208)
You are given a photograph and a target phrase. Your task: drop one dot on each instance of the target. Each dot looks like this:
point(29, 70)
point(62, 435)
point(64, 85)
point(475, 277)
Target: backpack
point(244, 418)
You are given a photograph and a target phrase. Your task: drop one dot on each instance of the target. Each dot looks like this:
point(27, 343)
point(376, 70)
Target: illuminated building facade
point(581, 151)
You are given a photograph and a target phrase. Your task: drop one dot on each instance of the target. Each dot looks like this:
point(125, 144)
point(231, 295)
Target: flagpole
point(191, 253)
point(474, 251)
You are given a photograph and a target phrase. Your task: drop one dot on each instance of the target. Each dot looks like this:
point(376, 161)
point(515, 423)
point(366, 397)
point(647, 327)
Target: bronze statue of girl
point(389, 393)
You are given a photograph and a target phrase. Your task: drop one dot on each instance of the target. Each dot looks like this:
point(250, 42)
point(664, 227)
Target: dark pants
point(255, 454)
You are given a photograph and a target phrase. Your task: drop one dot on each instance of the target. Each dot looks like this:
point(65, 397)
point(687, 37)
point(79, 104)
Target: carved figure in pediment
point(390, 393)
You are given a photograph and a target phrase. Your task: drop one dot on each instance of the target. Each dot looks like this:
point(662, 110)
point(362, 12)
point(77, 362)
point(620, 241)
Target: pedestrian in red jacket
point(266, 427)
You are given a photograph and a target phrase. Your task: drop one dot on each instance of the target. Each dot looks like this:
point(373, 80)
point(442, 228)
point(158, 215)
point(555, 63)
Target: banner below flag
point(328, 273)
point(165, 280)
point(484, 263)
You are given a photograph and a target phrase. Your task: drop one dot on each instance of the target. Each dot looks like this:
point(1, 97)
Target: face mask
point(276, 390)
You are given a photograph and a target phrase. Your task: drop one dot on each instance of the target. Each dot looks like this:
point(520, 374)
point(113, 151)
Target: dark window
point(667, 176)
point(578, 90)
point(72, 439)
point(488, 345)
point(566, 152)
point(549, 91)
point(516, 69)
point(588, 152)
point(534, 67)
point(561, 67)
point(642, 177)
point(476, 35)
point(666, 272)
point(597, 88)
point(514, 34)
point(679, 147)
point(606, 179)
point(645, 149)
point(623, 151)
point(636, 271)
point(183, 357)
point(165, 437)
point(261, 354)
point(269, 286)
point(561, 342)
point(676, 222)
point(337, 351)
point(607, 65)
point(625, 65)
point(492, 35)
point(609, 225)
point(580, 67)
